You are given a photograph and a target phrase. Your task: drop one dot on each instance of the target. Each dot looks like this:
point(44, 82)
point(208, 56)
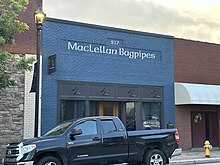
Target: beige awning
point(186, 93)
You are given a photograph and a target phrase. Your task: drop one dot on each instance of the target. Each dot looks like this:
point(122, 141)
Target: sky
point(197, 20)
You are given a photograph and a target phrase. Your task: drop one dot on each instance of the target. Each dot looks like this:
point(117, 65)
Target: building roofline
point(107, 28)
point(198, 41)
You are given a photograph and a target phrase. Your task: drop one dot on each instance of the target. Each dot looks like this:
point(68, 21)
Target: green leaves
point(9, 26)
point(5, 80)
point(15, 6)
point(10, 64)
point(18, 5)
point(9, 23)
point(25, 63)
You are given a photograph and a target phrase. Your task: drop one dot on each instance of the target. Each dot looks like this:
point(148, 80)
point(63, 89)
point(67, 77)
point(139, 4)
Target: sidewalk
point(195, 156)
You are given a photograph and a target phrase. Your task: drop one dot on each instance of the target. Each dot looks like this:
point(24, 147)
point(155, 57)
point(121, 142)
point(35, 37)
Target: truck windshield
point(59, 130)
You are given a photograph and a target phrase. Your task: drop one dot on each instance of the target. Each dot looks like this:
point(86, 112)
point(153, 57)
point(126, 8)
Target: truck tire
point(48, 160)
point(154, 157)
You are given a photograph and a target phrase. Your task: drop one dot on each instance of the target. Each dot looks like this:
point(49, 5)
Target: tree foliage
point(10, 25)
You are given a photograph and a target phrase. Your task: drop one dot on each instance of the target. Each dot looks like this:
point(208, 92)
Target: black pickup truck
point(94, 140)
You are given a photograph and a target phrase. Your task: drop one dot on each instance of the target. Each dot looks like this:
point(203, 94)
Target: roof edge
point(56, 20)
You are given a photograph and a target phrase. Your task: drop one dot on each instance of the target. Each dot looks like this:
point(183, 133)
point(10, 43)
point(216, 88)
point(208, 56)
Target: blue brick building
point(92, 70)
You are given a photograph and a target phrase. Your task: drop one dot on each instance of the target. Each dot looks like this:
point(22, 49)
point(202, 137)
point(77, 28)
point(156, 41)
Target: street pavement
point(196, 156)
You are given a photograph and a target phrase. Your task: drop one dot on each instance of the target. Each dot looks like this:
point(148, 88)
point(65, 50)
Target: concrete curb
point(195, 161)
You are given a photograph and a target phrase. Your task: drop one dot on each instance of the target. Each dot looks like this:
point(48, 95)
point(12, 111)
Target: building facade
point(94, 70)
point(197, 92)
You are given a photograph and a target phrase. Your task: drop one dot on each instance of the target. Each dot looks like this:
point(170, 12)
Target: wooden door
point(204, 127)
point(108, 109)
point(198, 129)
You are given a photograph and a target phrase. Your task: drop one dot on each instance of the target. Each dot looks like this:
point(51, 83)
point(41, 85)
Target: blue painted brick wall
point(94, 67)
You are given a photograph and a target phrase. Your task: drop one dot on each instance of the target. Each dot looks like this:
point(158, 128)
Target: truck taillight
point(177, 136)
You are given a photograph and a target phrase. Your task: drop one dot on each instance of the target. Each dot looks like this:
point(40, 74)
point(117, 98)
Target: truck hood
point(39, 140)
point(46, 143)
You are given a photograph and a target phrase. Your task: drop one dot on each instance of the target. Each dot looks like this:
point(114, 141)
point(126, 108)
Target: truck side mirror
point(76, 131)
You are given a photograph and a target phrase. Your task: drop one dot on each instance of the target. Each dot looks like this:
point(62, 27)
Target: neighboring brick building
point(197, 73)
point(16, 103)
point(196, 62)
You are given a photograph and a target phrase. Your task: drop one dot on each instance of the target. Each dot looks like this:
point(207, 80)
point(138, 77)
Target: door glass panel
point(108, 111)
point(88, 127)
point(108, 126)
point(130, 116)
point(151, 115)
point(71, 109)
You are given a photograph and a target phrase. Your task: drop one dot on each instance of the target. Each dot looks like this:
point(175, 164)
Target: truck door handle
point(96, 139)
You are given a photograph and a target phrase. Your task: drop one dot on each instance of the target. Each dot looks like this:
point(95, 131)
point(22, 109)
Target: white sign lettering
point(101, 49)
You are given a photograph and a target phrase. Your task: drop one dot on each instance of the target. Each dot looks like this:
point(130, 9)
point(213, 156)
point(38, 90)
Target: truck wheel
point(48, 160)
point(155, 157)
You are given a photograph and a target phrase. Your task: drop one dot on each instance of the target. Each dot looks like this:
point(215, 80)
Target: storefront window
point(151, 115)
point(130, 116)
point(71, 109)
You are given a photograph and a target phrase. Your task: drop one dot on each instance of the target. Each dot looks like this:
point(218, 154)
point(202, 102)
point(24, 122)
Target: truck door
point(85, 148)
point(114, 146)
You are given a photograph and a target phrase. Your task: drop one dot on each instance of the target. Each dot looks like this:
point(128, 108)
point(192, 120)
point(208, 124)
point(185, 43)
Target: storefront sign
point(131, 53)
point(52, 64)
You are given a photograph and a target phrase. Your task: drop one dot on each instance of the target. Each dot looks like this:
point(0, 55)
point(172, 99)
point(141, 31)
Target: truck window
point(119, 124)
point(59, 130)
point(108, 126)
point(88, 127)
